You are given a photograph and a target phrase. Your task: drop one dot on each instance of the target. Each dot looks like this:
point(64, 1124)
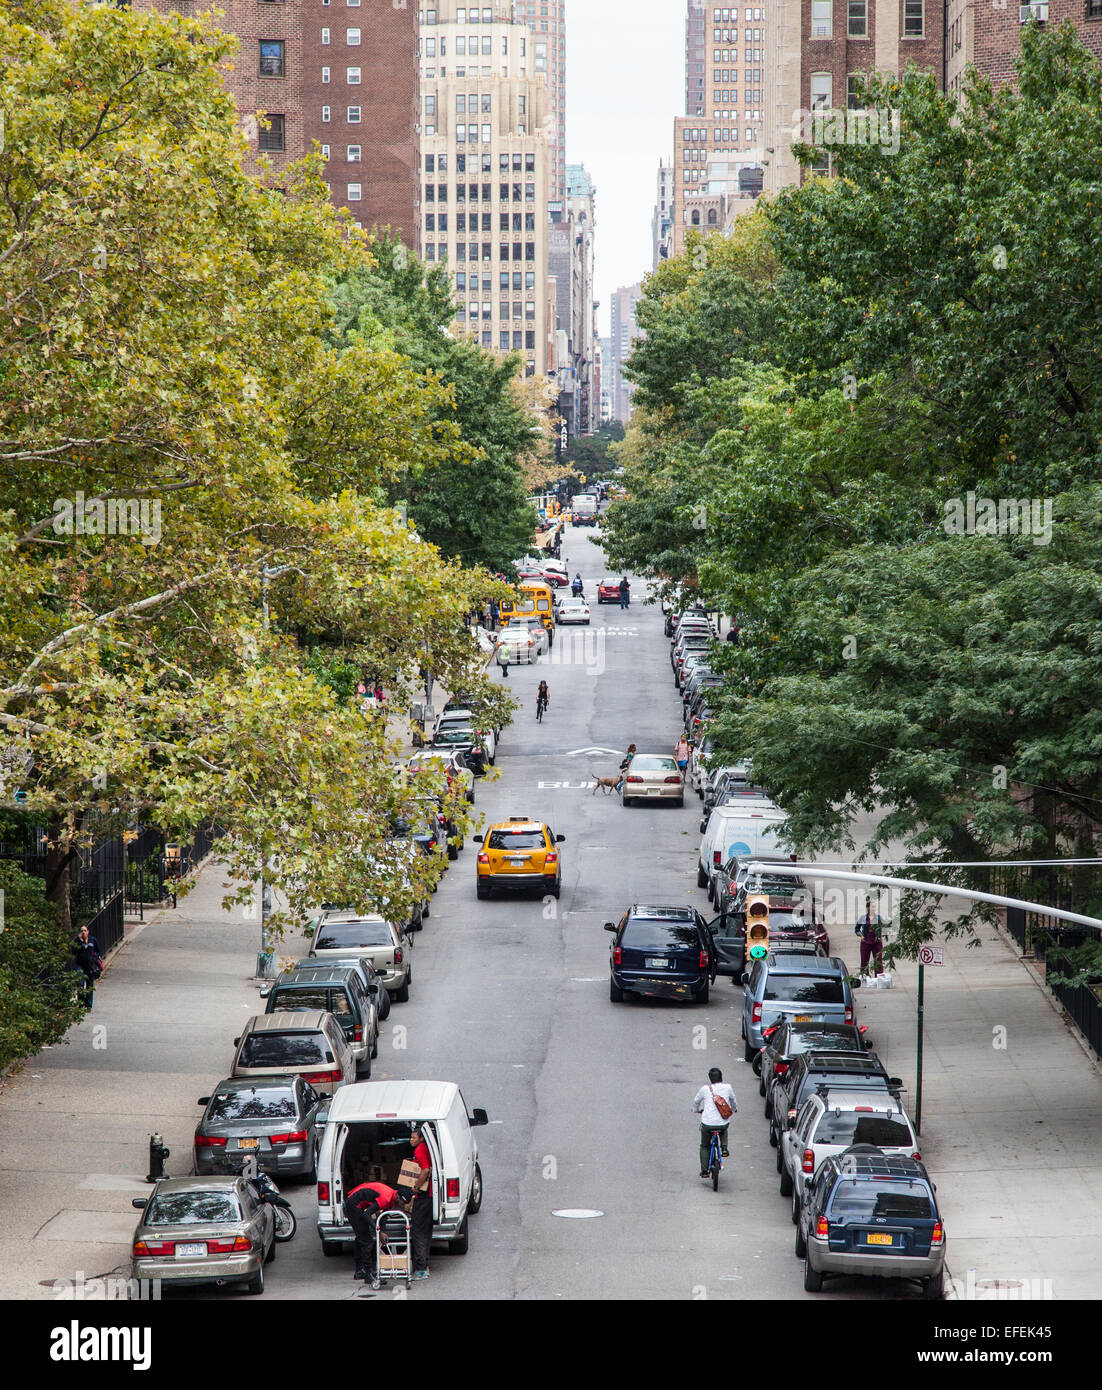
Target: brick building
point(989, 35)
point(343, 74)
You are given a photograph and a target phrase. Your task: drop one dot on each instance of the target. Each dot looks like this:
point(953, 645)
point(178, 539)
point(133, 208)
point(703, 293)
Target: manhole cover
point(577, 1213)
point(998, 1283)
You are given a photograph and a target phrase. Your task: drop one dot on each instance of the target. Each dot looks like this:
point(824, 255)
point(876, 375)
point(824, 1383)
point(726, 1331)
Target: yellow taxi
point(519, 853)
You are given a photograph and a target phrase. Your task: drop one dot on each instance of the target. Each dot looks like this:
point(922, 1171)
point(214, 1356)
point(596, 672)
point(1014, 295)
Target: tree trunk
point(61, 854)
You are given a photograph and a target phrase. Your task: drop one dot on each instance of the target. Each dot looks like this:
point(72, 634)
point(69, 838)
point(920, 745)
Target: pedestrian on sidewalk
point(421, 1223)
point(625, 593)
point(870, 930)
point(88, 960)
point(681, 752)
point(502, 656)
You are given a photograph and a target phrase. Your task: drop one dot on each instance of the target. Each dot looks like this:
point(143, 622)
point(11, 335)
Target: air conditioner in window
point(1038, 10)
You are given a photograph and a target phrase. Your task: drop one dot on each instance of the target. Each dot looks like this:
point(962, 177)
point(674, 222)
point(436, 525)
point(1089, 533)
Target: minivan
point(309, 1044)
point(335, 989)
point(661, 952)
point(748, 827)
point(366, 1138)
point(801, 987)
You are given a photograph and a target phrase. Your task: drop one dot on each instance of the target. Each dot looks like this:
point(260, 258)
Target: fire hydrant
point(158, 1152)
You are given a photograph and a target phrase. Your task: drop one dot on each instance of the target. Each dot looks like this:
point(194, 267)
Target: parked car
point(661, 952)
point(454, 767)
point(829, 1122)
point(310, 1044)
point(467, 745)
point(572, 610)
point(367, 1133)
point(786, 1041)
point(870, 1214)
point(749, 827)
point(653, 777)
point(792, 916)
point(785, 985)
point(431, 830)
point(386, 946)
point(273, 1120)
point(519, 853)
point(369, 976)
point(335, 989)
point(823, 1067)
point(206, 1230)
point(467, 719)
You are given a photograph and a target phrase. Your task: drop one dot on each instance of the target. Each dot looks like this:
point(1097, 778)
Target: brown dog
point(608, 784)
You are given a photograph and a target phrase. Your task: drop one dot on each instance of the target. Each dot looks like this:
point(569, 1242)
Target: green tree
point(38, 1001)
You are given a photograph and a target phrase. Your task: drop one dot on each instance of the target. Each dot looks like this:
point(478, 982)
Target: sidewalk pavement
point(75, 1122)
point(1011, 1114)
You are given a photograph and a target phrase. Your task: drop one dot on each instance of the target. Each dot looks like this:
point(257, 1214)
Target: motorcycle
point(285, 1222)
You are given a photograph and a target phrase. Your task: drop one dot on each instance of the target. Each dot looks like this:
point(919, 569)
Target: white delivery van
point(366, 1137)
point(583, 509)
point(748, 828)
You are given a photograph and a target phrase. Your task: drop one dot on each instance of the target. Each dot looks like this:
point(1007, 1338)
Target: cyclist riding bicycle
point(712, 1119)
point(543, 699)
point(577, 586)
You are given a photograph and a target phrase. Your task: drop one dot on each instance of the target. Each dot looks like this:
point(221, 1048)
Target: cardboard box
point(392, 1264)
point(410, 1173)
point(374, 1172)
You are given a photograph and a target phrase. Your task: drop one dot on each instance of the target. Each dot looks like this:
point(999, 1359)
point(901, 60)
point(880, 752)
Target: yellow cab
point(536, 598)
point(519, 853)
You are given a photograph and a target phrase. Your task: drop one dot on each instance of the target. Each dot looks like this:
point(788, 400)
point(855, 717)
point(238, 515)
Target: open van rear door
point(433, 1142)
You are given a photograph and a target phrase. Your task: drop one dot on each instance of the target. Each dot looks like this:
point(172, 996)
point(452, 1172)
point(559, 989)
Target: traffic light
point(757, 925)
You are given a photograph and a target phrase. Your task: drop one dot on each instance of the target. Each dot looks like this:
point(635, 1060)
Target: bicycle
point(541, 706)
point(715, 1160)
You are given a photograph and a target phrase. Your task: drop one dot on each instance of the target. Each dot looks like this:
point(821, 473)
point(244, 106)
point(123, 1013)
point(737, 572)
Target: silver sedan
point(203, 1231)
point(653, 777)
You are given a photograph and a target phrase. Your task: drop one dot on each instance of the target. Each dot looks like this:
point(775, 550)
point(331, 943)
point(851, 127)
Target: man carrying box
point(417, 1174)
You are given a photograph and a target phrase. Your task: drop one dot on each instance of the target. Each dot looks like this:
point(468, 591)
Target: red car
point(608, 591)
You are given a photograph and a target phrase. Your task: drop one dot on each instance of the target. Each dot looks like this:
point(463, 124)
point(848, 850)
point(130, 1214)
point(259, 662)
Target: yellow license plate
point(875, 1238)
point(248, 1143)
point(802, 1018)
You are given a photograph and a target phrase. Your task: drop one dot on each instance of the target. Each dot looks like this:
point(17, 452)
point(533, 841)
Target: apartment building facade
point(988, 36)
point(484, 170)
point(546, 21)
point(624, 332)
point(662, 219)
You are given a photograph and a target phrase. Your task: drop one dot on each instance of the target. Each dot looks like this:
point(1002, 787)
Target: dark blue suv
point(666, 952)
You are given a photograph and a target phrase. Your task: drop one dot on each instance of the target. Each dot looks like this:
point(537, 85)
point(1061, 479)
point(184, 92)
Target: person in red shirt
point(362, 1207)
point(420, 1233)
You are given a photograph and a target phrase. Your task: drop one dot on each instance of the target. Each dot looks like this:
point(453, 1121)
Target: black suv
point(666, 952)
point(869, 1213)
point(854, 1071)
point(789, 1040)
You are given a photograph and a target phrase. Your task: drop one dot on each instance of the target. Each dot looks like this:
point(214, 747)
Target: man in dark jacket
point(88, 960)
point(625, 592)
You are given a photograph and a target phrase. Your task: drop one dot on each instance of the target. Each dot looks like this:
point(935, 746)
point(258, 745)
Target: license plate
point(517, 863)
point(802, 1018)
point(877, 1238)
point(190, 1250)
point(656, 962)
point(248, 1143)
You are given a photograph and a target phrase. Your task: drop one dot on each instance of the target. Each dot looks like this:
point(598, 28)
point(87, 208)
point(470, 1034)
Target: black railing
point(1081, 1002)
point(154, 862)
point(95, 882)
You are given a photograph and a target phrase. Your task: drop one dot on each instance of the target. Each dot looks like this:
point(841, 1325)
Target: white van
point(748, 828)
point(366, 1137)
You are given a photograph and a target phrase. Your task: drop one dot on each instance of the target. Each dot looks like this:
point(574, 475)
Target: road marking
point(582, 752)
point(577, 1213)
point(565, 786)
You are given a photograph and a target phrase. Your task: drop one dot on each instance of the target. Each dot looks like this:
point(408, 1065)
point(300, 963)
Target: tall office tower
point(351, 87)
point(695, 56)
point(606, 380)
point(484, 157)
point(662, 219)
point(546, 21)
point(624, 332)
point(581, 201)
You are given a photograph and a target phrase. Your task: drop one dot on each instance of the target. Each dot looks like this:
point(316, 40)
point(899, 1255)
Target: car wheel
point(680, 801)
point(453, 852)
point(701, 994)
point(786, 1180)
point(425, 908)
point(311, 1173)
point(615, 993)
point(701, 877)
point(761, 1089)
point(470, 796)
point(795, 1207)
point(363, 1067)
point(482, 889)
point(270, 1256)
point(801, 1243)
point(256, 1283)
point(749, 1051)
point(415, 921)
point(933, 1287)
point(775, 1143)
point(555, 888)
point(330, 1248)
point(474, 1206)
point(813, 1280)
point(401, 996)
point(375, 1044)
point(462, 1242)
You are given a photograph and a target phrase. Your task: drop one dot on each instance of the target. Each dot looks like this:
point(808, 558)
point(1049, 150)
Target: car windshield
point(643, 935)
point(840, 1040)
point(847, 1127)
point(335, 936)
point(258, 1103)
point(284, 1050)
point(191, 1208)
point(864, 1201)
point(652, 762)
point(516, 839)
point(804, 989)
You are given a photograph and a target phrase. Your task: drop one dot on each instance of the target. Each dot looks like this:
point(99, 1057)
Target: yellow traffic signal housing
point(757, 926)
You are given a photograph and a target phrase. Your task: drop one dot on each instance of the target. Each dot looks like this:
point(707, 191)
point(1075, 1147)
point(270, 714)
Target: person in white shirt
point(712, 1120)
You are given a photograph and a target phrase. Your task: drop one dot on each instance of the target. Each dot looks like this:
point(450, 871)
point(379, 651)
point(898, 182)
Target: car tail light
point(357, 1033)
point(780, 1068)
point(634, 779)
point(849, 1013)
point(807, 1162)
point(937, 1235)
point(917, 1157)
point(235, 1246)
point(483, 858)
point(323, 1194)
point(397, 955)
point(862, 1109)
point(550, 859)
point(673, 779)
point(716, 858)
point(294, 1136)
point(154, 1247)
point(822, 1227)
point(451, 1190)
point(209, 1141)
point(755, 1014)
point(616, 955)
point(704, 960)
point(322, 1078)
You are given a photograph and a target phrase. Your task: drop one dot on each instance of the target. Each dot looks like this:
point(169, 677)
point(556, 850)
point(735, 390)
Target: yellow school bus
point(537, 599)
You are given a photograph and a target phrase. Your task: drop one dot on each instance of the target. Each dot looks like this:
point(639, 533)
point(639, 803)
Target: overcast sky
point(625, 83)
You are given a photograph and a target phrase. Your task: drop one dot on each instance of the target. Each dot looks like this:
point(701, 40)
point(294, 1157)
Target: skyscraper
point(546, 21)
point(662, 220)
point(485, 170)
point(694, 57)
point(624, 332)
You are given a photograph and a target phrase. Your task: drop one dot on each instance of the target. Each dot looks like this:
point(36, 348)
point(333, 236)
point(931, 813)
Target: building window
point(487, 99)
point(352, 76)
point(325, 151)
point(352, 38)
point(430, 106)
point(354, 192)
point(820, 21)
point(325, 115)
point(325, 74)
point(914, 18)
point(430, 251)
point(1094, 9)
point(271, 58)
point(274, 138)
point(858, 19)
point(354, 119)
point(487, 134)
point(354, 155)
point(820, 90)
point(530, 340)
point(325, 36)
point(442, 222)
point(854, 81)
point(430, 222)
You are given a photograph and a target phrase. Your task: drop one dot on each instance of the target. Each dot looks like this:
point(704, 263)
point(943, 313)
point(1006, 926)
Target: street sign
point(931, 955)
